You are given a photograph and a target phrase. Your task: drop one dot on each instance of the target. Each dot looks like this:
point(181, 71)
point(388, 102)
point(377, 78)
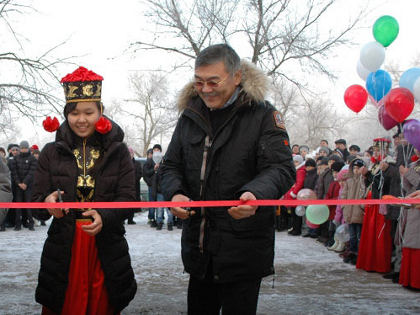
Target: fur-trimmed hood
point(254, 83)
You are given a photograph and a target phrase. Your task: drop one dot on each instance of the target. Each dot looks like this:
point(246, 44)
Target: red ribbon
point(207, 203)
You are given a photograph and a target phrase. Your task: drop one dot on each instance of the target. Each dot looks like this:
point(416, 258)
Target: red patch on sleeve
point(286, 142)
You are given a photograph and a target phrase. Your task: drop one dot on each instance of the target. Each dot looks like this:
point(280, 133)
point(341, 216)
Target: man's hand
point(415, 195)
point(96, 226)
point(156, 167)
point(244, 211)
point(181, 212)
point(55, 212)
point(22, 186)
point(403, 170)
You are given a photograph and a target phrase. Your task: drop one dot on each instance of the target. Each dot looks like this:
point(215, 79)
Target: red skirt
point(375, 245)
point(86, 293)
point(410, 268)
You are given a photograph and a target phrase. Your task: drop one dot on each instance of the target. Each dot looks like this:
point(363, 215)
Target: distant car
point(144, 189)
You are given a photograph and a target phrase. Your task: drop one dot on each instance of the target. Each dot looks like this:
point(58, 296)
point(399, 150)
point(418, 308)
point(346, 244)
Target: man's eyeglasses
point(211, 83)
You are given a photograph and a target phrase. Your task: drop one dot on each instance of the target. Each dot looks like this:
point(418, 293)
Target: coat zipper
point(207, 145)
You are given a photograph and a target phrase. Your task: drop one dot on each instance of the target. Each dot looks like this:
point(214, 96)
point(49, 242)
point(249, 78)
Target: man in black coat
point(22, 168)
point(229, 144)
point(138, 172)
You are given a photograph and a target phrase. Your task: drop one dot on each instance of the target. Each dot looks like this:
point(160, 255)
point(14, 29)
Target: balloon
point(386, 121)
point(416, 90)
point(342, 233)
point(409, 77)
point(311, 225)
point(355, 97)
point(378, 84)
point(317, 214)
point(300, 211)
point(411, 132)
point(399, 104)
point(157, 157)
point(372, 56)
point(362, 71)
point(385, 30)
point(306, 194)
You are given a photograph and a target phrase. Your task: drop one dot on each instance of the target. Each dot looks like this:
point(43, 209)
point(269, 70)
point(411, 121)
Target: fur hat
point(24, 144)
point(298, 158)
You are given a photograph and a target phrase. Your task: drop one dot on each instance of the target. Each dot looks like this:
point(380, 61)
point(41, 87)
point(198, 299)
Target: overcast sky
point(99, 33)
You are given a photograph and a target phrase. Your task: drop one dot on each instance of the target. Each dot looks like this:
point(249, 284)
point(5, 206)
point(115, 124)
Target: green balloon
point(385, 30)
point(317, 214)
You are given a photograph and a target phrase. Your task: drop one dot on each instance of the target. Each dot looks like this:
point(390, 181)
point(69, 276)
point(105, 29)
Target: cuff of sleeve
point(293, 195)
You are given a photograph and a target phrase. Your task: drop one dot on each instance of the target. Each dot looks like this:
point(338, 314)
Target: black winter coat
point(151, 178)
point(248, 153)
point(114, 178)
point(22, 168)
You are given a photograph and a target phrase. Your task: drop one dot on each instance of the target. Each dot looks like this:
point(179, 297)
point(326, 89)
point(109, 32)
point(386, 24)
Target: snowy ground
point(309, 279)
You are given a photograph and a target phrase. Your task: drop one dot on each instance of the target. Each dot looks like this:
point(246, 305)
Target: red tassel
point(414, 158)
point(51, 125)
point(103, 125)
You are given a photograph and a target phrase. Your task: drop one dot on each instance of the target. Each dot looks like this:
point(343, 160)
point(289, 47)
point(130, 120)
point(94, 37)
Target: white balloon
point(157, 157)
point(362, 71)
point(300, 211)
point(372, 56)
point(416, 89)
point(342, 233)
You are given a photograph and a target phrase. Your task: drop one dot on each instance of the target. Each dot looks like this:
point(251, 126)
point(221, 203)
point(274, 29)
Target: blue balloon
point(378, 84)
point(409, 77)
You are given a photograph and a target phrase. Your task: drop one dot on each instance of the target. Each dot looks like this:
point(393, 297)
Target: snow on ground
point(309, 279)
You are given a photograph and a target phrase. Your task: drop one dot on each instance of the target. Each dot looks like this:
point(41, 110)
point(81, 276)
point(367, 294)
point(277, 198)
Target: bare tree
point(26, 84)
point(150, 108)
point(278, 32)
point(315, 120)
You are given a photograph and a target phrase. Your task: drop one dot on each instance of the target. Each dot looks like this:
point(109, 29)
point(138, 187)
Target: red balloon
point(399, 103)
point(386, 121)
point(355, 97)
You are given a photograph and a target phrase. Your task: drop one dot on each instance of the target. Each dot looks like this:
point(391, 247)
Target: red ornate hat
point(82, 85)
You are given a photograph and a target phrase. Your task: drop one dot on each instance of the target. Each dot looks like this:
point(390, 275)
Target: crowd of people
point(381, 238)
point(21, 160)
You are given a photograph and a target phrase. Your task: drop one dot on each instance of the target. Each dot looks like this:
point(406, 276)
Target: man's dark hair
point(295, 145)
point(355, 148)
point(220, 52)
point(326, 141)
point(157, 146)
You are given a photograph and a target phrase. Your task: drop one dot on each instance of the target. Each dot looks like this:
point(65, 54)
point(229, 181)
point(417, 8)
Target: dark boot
point(170, 227)
point(153, 224)
point(159, 226)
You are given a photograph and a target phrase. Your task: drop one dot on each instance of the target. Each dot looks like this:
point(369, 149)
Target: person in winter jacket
point(292, 194)
point(353, 214)
point(333, 193)
point(151, 169)
point(22, 167)
point(85, 263)
point(138, 171)
point(5, 191)
point(229, 143)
